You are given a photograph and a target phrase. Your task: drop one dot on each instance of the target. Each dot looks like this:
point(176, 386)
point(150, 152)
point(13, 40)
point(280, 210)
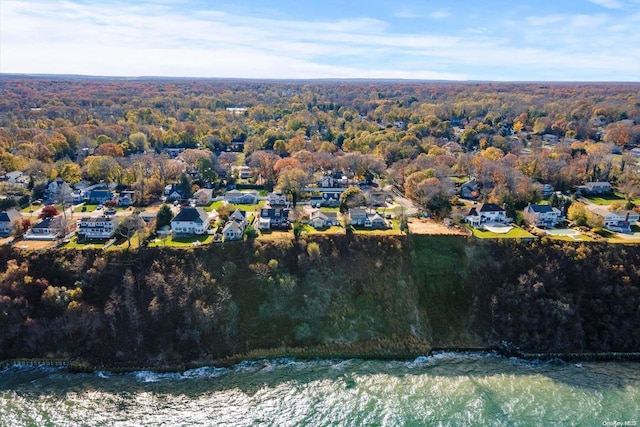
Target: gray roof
point(189, 214)
point(540, 208)
point(490, 207)
point(9, 215)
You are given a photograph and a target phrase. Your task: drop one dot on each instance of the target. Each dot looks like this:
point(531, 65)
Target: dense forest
point(168, 306)
point(418, 135)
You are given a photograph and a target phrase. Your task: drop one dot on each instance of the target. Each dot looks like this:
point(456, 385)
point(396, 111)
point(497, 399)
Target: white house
point(232, 231)
point(277, 199)
point(375, 221)
point(8, 219)
point(542, 215)
point(241, 197)
point(320, 219)
point(620, 221)
point(239, 217)
point(46, 229)
point(357, 216)
point(486, 213)
point(97, 228)
point(190, 221)
point(243, 172)
point(597, 187)
point(58, 189)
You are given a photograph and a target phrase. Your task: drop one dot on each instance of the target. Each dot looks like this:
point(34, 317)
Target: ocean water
point(445, 389)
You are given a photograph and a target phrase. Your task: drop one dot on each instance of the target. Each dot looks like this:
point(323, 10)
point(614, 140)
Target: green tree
point(185, 186)
point(102, 168)
point(71, 173)
point(129, 226)
point(250, 232)
point(139, 141)
point(163, 217)
point(350, 198)
point(298, 228)
point(577, 212)
point(292, 181)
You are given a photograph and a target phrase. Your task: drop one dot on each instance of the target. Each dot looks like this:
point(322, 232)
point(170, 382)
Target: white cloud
point(609, 4)
point(412, 13)
point(162, 38)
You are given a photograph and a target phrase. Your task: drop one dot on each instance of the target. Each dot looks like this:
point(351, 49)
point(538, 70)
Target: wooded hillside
point(165, 306)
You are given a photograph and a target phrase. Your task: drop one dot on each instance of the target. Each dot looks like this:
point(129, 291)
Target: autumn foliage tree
point(48, 211)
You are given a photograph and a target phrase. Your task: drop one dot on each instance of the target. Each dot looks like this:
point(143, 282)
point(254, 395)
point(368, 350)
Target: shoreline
point(81, 366)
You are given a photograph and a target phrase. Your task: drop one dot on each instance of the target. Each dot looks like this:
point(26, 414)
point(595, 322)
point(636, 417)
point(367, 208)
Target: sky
point(544, 40)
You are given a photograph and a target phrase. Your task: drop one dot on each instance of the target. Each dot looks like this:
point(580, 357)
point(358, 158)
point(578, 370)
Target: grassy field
point(219, 204)
point(607, 199)
point(85, 208)
point(514, 233)
point(577, 238)
point(88, 244)
point(189, 241)
point(331, 230)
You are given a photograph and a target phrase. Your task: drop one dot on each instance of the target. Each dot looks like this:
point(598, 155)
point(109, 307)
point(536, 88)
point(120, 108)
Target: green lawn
point(579, 237)
point(515, 233)
point(87, 244)
point(85, 208)
point(182, 241)
point(221, 204)
point(331, 230)
point(607, 199)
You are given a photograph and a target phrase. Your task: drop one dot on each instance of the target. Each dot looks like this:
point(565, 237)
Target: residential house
point(327, 181)
point(126, 198)
point(103, 227)
point(148, 216)
point(470, 190)
point(376, 198)
point(331, 199)
point(597, 187)
point(17, 178)
point(375, 221)
point(620, 221)
point(277, 199)
point(243, 172)
point(241, 197)
point(357, 216)
point(239, 217)
point(550, 138)
point(173, 192)
point(635, 151)
point(273, 218)
point(99, 196)
point(486, 213)
point(43, 230)
point(542, 215)
point(547, 190)
point(8, 220)
point(190, 221)
point(203, 196)
point(320, 219)
point(58, 189)
point(232, 231)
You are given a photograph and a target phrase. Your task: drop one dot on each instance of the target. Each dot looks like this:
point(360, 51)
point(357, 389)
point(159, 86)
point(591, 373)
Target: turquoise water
point(446, 389)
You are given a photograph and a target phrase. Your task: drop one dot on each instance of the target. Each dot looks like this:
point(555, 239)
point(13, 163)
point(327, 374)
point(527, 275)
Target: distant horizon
point(454, 40)
point(319, 79)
